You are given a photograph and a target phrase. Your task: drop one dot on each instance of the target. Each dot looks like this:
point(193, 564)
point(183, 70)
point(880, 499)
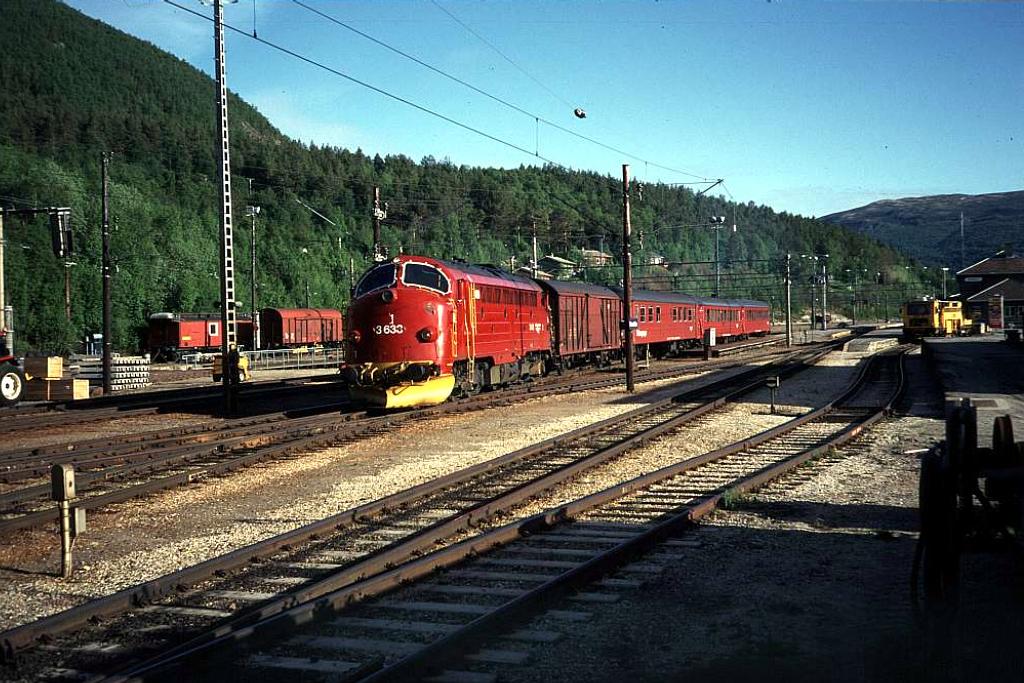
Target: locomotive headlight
point(388, 295)
point(426, 335)
point(355, 336)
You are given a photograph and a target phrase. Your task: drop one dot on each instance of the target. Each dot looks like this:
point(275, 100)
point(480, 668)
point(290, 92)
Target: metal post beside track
point(789, 302)
point(627, 282)
point(229, 339)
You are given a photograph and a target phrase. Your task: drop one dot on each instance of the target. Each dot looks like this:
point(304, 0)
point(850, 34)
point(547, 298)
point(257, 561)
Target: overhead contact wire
point(495, 98)
point(369, 86)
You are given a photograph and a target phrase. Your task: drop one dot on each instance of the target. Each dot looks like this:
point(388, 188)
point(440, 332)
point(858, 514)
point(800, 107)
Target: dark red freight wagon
point(283, 327)
point(171, 334)
point(586, 323)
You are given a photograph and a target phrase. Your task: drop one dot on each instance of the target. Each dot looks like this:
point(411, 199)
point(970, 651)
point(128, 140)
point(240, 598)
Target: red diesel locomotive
point(421, 328)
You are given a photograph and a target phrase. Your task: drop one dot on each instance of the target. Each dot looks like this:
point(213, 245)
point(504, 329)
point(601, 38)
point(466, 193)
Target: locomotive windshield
point(381, 276)
point(919, 308)
point(423, 275)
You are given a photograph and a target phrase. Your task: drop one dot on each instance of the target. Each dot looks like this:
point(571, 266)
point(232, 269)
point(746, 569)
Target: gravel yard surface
point(799, 395)
point(48, 436)
point(140, 540)
point(806, 580)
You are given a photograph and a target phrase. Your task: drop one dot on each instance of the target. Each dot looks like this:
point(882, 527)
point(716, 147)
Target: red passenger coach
point(736, 319)
point(757, 318)
point(667, 322)
point(421, 328)
point(281, 327)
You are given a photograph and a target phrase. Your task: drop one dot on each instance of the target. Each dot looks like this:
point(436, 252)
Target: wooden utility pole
point(627, 281)
point(3, 299)
point(106, 268)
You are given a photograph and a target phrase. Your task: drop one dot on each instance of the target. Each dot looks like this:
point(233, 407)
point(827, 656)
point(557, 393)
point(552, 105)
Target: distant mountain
point(928, 228)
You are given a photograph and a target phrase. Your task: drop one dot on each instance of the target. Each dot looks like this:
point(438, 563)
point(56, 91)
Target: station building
point(993, 291)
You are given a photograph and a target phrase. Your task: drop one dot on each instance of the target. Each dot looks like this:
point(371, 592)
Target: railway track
point(316, 559)
point(440, 615)
point(116, 470)
point(31, 418)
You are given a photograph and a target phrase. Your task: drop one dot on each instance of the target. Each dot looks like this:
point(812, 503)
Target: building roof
point(996, 265)
point(556, 259)
point(1010, 290)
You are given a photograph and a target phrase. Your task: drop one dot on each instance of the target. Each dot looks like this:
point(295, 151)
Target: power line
point(501, 54)
point(536, 117)
point(369, 86)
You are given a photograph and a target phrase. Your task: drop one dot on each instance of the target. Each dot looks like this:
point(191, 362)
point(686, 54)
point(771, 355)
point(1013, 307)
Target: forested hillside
point(74, 87)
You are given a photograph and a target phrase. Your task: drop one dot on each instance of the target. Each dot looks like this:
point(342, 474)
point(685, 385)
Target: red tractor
point(12, 377)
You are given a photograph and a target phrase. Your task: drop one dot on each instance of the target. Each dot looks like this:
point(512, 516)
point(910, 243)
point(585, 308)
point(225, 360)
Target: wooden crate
point(56, 389)
point(44, 367)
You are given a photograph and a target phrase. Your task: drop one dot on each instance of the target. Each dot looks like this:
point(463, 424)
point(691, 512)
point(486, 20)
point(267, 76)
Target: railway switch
point(62, 487)
point(78, 525)
point(62, 482)
point(773, 385)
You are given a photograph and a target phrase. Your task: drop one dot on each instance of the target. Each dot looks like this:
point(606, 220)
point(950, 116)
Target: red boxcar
point(419, 327)
point(281, 327)
point(171, 334)
point(586, 323)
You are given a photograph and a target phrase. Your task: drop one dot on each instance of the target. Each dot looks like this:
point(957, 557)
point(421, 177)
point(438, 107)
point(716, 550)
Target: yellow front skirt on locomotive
point(429, 392)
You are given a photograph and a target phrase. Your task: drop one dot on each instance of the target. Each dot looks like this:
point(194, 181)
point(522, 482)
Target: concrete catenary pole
point(108, 323)
point(627, 281)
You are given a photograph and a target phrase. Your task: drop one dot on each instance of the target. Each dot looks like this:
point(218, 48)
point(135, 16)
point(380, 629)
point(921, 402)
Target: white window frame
point(447, 279)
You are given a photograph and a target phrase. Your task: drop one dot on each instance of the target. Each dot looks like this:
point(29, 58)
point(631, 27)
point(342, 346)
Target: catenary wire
point(537, 118)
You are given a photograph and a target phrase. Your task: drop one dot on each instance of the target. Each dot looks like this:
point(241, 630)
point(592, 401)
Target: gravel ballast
point(144, 539)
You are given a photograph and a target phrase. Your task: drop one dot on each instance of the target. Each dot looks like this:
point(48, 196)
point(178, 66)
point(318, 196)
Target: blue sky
point(806, 106)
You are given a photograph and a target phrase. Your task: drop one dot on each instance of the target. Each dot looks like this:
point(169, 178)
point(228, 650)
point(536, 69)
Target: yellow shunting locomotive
point(933, 318)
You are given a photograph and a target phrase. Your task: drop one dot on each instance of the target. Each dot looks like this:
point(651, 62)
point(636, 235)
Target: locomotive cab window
point(381, 276)
point(427, 276)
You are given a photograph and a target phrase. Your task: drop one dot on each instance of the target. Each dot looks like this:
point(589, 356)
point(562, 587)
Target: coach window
point(643, 317)
point(381, 276)
point(427, 276)
point(650, 314)
point(658, 312)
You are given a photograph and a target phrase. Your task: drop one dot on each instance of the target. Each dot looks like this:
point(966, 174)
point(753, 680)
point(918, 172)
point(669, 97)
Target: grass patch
point(734, 499)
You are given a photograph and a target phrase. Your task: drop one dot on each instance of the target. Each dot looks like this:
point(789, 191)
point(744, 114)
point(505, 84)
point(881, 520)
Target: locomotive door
point(585, 321)
point(467, 295)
